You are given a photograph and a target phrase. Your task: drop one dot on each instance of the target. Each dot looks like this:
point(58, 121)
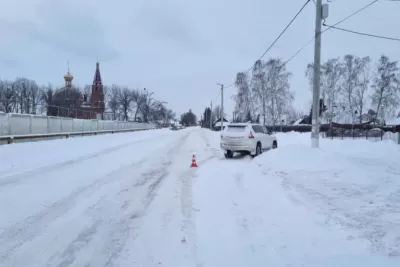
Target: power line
point(276, 40)
point(351, 15)
point(219, 93)
point(280, 35)
point(298, 51)
point(327, 29)
point(364, 34)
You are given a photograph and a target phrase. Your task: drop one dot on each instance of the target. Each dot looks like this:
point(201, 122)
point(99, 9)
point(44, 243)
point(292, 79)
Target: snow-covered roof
point(297, 122)
point(239, 123)
point(219, 119)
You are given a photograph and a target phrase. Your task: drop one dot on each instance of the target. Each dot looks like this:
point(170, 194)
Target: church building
point(69, 101)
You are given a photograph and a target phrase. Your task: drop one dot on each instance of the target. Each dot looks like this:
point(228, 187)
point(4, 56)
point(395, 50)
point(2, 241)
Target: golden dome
point(68, 76)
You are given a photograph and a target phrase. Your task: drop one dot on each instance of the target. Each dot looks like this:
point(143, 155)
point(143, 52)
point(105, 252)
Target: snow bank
point(297, 206)
point(354, 183)
point(351, 147)
point(20, 157)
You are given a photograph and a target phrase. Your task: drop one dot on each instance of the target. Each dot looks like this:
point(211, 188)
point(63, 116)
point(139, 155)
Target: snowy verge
point(297, 206)
point(354, 183)
point(20, 157)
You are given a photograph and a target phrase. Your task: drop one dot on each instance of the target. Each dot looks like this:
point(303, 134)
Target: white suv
point(249, 138)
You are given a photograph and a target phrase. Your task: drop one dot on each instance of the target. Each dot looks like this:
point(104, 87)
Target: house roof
point(219, 119)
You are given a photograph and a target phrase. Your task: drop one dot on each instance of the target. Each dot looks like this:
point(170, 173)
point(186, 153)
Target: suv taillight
point(251, 134)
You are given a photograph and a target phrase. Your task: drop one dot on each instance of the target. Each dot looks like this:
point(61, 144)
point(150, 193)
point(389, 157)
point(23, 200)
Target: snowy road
point(83, 211)
point(132, 200)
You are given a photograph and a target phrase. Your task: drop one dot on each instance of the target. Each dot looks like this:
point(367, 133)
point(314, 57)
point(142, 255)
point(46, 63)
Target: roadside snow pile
point(288, 208)
point(19, 157)
point(354, 184)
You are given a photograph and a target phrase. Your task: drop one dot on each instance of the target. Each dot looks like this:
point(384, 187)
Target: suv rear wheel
point(274, 145)
point(258, 150)
point(228, 154)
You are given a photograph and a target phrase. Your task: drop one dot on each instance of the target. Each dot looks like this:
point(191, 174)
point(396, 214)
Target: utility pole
point(205, 119)
point(316, 82)
point(222, 106)
point(211, 116)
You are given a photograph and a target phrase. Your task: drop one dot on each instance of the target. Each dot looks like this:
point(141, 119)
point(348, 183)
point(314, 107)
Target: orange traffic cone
point(194, 163)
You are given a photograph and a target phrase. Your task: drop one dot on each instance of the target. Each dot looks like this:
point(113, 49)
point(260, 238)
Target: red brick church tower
point(97, 98)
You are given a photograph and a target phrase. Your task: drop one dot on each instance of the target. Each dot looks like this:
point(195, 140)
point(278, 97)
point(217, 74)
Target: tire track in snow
point(188, 227)
point(188, 211)
point(124, 229)
point(26, 230)
point(83, 238)
point(367, 224)
point(214, 150)
point(124, 220)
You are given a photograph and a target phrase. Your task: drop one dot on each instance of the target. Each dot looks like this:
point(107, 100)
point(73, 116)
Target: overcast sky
point(179, 49)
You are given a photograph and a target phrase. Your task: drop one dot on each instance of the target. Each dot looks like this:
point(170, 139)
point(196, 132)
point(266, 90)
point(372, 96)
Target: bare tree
point(164, 115)
point(139, 100)
point(125, 98)
point(7, 96)
point(152, 108)
point(352, 69)
point(27, 95)
point(310, 75)
point(113, 100)
point(157, 111)
point(188, 118)
point(148, 99)
point(107, 96)
point(386, 87)
point(361, 90)
point(260, 91)
point(47, 98)
point(216, 113)
point(35, 96)
point(331, 75)
point(278, 86)
point(293, 115)
point(170, 115)
point(22, 96)
point(243, 97)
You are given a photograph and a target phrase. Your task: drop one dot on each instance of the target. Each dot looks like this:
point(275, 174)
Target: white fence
point(24, 124)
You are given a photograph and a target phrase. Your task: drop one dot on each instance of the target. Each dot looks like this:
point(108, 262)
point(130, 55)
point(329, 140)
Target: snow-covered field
point(132, 200)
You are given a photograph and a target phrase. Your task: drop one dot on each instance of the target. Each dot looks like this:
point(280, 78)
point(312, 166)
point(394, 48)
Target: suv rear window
point(258, 128)
point(236, 128)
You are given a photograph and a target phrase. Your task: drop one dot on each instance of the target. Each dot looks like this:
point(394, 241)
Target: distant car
point(174, 128)
point(247, 138)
